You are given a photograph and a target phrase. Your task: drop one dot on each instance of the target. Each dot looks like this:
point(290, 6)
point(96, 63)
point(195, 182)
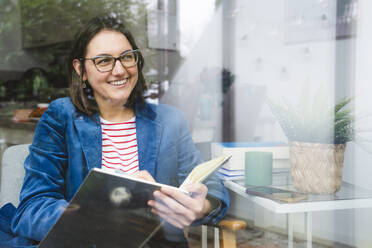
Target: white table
point(349, 197)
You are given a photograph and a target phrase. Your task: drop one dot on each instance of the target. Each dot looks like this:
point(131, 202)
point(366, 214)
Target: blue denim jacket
point(67, 144)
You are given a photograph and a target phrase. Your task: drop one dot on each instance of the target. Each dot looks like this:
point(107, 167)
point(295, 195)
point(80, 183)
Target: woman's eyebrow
point(126, 51)
point(102, 54)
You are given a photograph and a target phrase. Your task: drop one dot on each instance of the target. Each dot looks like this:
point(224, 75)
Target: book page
point(202, 171)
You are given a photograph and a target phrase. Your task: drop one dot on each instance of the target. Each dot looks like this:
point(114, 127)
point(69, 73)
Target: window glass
point(245, 73)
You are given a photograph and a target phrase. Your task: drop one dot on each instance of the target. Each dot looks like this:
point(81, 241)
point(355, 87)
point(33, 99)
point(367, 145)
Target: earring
point(87, 89)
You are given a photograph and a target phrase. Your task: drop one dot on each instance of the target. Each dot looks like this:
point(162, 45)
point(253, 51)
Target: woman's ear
point(77, 66)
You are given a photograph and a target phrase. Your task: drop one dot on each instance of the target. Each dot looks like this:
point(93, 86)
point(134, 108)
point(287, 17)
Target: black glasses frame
point(135, 51)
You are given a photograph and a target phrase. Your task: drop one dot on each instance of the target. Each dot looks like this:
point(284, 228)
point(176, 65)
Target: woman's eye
point(103, 60)
point(127, 57)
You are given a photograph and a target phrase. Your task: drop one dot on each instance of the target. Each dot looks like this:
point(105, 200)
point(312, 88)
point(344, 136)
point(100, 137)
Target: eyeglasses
point(107, 63)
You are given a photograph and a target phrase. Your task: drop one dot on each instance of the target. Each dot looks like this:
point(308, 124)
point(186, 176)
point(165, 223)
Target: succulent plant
point(316, 122)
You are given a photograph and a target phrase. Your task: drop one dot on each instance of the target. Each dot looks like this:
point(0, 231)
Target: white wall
point(267, 56)
point(362, 160)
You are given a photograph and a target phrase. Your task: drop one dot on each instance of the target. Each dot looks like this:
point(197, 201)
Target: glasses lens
point(104, 63)
point(129, 59)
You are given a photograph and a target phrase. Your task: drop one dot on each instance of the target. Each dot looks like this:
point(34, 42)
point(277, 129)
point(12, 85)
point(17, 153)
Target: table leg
point(309, 226)
point(290, 229)
point(204, 236)
point(216, 237)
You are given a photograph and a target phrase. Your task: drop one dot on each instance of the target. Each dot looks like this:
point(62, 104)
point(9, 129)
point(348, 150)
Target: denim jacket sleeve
point(42, 198)
point(176, 154)
point(188, 158)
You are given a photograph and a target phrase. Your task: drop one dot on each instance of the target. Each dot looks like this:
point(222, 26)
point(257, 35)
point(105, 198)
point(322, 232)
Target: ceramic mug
point(258, 168)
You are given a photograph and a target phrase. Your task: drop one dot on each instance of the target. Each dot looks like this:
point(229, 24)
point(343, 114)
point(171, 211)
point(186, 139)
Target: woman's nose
point(118, 68)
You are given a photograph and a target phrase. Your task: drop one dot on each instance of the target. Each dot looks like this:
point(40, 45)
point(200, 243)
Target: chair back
point(12, 173)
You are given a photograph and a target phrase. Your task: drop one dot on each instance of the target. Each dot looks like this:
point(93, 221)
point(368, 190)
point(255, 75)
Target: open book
point(204, 170)
point(197, 175)
point(110, 210)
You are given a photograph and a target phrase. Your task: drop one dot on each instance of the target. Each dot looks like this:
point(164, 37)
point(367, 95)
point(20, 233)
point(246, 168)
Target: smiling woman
point(112, 82)
point(92, 82)
point(107, 124)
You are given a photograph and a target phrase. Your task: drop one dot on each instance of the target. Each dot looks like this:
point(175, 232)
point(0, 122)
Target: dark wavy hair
point(83, 98)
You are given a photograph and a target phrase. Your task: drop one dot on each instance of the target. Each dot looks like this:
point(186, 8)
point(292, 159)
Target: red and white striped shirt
point(119, 146)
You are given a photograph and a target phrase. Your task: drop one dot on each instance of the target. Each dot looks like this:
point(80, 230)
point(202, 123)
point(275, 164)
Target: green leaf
point(315, 122)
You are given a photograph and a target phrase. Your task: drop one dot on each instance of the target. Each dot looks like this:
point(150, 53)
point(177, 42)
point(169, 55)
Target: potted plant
point(317, 137)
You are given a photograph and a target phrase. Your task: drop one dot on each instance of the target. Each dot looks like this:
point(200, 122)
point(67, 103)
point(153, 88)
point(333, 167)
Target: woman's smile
point(119, 83)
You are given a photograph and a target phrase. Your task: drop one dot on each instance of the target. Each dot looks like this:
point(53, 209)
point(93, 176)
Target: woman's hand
point(144, 174)
point(180, 209)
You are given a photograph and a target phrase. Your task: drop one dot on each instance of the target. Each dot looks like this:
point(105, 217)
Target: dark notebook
point(109, 210)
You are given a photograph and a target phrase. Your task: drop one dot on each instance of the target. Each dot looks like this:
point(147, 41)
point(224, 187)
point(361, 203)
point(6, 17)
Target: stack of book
point(234, 169)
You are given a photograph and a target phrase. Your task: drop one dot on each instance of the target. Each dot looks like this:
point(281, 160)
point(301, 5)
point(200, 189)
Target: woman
point(106, 110)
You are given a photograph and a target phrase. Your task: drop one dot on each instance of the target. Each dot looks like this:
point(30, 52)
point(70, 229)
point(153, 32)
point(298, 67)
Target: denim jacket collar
point(148, 131)
point(90, 135)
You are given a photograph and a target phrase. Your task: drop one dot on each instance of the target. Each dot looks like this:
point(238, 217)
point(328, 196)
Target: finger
point(172, 217)
point(176, 194)
point(197, 203)
point(173, 221)
point(163, 211)
point(199, 192)
point(159, 206)
point(197, 189)
point(170, 203)
point(166, 204)
point(145, 175)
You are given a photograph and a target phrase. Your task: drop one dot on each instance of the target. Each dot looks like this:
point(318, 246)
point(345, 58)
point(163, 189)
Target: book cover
point(110, 210)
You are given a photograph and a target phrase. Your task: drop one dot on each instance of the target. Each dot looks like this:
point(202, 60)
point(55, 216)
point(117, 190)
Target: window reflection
point(218, 61)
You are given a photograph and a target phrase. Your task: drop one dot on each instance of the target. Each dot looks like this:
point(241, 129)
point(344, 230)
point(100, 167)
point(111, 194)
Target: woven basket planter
point(316, 168)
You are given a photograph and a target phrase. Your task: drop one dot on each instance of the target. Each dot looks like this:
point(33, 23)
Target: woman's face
point(113, 87)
